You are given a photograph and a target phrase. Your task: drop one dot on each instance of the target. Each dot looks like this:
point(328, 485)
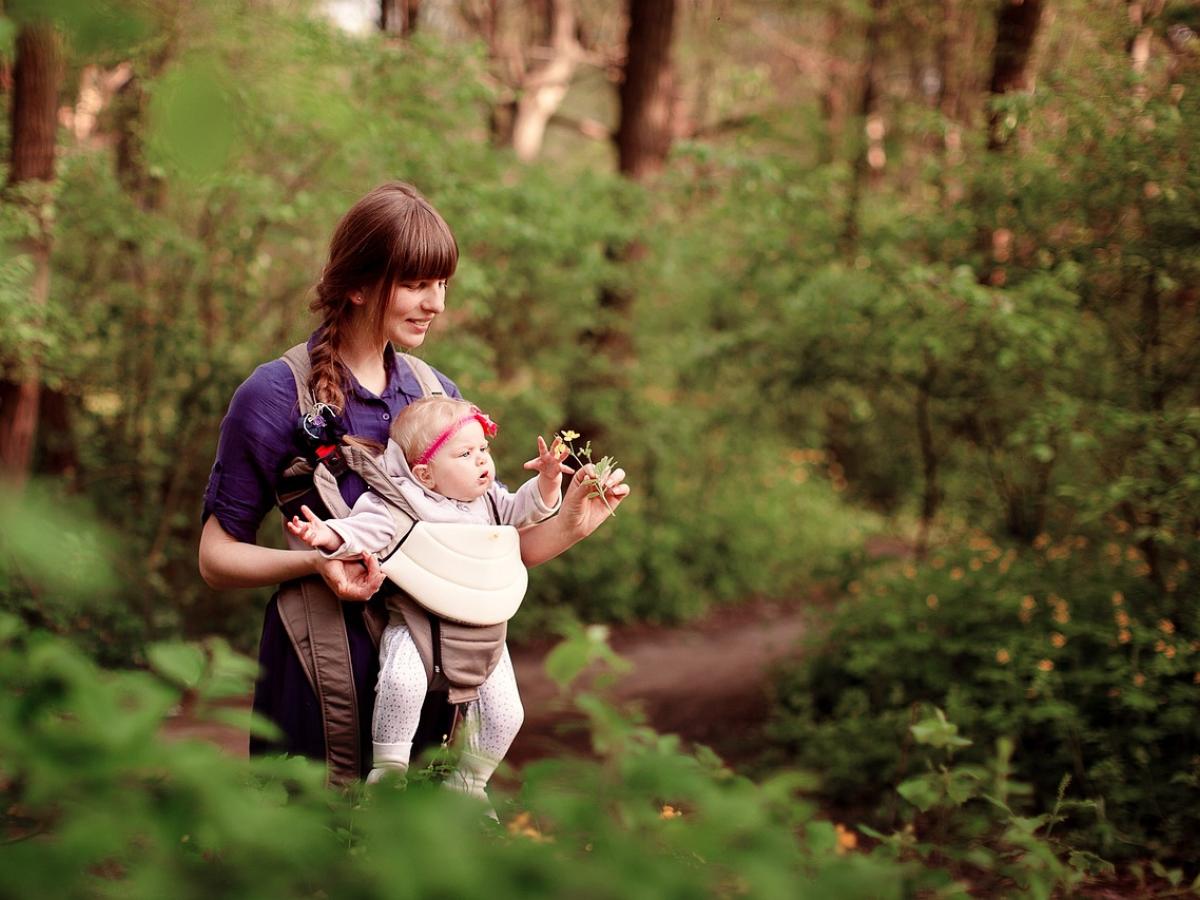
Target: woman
point(384, 284)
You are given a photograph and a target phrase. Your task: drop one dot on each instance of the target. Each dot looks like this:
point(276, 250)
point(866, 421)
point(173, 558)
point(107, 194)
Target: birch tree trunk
point(545, 87)
point(399, 16)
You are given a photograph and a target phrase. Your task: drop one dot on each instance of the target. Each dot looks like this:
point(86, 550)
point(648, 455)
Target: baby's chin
point(478, 491)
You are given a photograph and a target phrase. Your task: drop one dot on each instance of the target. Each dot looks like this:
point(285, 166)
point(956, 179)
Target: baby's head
point(446, 444)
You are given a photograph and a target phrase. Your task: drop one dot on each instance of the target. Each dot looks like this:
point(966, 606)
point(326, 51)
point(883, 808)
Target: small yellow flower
point(976, 564)
point(1169, 653)
point(1117, 598)
point(847, 838)
point(522, 824)
point(1025, 616)
point(931, 601)
point(1122, 618)
point(1123, 636)
point(1062, 614)
point(669, 812)
point(569, 435)
point(1166, 626)
point(1002, 656)
point(956, 573)
point(1041, 541)
point(1028, 603)
point(1139, 679)
point(1046, 665)
point(1132, 554)
point(910, 571)
point(1058, 640)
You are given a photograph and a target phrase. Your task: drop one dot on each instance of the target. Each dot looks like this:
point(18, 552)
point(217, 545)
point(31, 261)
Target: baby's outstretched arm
point(314, 531)
point(550, 469)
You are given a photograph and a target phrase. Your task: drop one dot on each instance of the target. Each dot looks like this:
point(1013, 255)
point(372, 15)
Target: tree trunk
point(544, 88)
point(1017, 24)
point(833, 98)
point(647, 90)
point(399, 16)
point(37, 74)
point(870, 134)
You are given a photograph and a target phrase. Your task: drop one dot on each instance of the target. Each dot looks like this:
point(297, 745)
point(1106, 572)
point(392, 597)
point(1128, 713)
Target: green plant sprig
point(565, 440)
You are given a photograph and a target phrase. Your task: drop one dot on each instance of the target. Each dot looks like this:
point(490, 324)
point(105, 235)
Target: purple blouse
point(259, 437)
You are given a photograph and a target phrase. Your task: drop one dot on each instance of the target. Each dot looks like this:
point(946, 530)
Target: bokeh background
point(894, 300)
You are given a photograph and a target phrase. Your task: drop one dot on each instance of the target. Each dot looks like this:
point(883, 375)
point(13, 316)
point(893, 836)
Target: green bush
point(97, 804)
point(1070, 650)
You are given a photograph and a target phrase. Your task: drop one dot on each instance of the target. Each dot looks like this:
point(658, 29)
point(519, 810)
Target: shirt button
point(386, 417)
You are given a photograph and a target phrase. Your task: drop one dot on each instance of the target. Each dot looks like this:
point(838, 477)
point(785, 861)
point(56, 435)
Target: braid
point(327, 376)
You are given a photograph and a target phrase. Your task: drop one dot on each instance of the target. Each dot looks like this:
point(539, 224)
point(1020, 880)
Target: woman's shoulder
point(269, 388)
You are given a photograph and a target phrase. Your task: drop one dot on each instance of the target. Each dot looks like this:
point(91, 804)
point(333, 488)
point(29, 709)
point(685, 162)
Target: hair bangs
point(424, 249)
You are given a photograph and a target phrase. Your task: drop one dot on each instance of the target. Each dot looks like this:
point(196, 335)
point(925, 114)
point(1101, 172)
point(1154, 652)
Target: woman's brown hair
point(390, 236)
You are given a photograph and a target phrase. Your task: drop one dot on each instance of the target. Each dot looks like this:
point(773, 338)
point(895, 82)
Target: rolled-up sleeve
point(257, 439)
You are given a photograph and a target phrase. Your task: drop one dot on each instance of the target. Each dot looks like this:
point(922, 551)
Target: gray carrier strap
point(298, 361)
point(312, 614)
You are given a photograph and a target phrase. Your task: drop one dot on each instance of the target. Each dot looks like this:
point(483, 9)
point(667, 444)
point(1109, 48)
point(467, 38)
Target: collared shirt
point(260, 437)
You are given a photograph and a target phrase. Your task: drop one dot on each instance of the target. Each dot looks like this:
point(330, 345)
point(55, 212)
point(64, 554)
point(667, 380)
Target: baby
point(439, 459)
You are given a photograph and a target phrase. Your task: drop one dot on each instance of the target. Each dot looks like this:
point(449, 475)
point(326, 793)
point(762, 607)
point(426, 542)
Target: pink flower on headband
point(489, 427)
point(477, 415)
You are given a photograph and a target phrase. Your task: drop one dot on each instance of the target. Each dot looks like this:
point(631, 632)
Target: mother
point(384, 284)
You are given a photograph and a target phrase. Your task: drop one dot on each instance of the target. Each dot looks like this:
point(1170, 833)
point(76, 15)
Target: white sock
point(388, 758)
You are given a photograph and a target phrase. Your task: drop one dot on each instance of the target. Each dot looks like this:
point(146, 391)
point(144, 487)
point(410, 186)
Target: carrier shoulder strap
point(311, 613)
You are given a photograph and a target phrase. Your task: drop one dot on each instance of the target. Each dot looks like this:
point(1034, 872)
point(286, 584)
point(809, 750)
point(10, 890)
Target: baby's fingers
point(310, 515)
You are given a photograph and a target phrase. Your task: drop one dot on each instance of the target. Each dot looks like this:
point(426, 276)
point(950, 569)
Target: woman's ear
point(358, 298)
point(424, 475)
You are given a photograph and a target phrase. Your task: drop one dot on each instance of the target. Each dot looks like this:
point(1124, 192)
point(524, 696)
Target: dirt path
point(705, 681)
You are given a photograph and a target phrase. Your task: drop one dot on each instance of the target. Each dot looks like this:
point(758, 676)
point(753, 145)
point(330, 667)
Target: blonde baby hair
point(420, 423)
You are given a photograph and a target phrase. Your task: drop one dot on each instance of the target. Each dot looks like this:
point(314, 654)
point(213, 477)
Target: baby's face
point(463, 468)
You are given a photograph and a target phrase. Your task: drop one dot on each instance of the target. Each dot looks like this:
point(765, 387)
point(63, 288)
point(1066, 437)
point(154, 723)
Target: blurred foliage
point(1066, 649)
point(98, 804)
point(99, 800)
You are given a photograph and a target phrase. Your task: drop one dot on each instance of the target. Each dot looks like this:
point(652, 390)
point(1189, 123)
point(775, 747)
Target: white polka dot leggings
point(490, 723)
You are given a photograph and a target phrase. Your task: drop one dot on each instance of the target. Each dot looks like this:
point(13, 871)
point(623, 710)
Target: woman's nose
point(434, 300)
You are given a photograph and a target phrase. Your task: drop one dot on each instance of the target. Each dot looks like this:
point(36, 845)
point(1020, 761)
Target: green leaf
point(180, 663)
point(924, 791)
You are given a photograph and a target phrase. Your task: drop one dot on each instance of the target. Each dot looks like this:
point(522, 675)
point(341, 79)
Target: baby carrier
point(455, 585)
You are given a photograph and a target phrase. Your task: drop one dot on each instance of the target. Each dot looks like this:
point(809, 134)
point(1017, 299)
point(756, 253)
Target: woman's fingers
point(351, 580)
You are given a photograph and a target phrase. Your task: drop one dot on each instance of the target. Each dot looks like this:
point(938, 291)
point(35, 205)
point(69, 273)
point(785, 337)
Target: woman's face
point(411, 310)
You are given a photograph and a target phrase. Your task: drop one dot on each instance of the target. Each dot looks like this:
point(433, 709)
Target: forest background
point(823, 276)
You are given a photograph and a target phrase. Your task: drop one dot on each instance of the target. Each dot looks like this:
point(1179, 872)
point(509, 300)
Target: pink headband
point(489, 428)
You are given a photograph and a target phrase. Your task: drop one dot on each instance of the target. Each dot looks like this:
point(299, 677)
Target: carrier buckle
point(331, 455)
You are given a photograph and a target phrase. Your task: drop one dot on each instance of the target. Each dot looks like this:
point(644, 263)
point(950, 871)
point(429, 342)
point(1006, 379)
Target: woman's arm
point(580, 515)
point(226, 562)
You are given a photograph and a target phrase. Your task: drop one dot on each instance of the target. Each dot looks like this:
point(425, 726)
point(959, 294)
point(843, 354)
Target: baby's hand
point(314, 532)
point(550, 469)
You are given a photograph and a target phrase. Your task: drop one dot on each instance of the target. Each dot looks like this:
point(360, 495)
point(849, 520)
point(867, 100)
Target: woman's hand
point(583, 509)
point(351, 579)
